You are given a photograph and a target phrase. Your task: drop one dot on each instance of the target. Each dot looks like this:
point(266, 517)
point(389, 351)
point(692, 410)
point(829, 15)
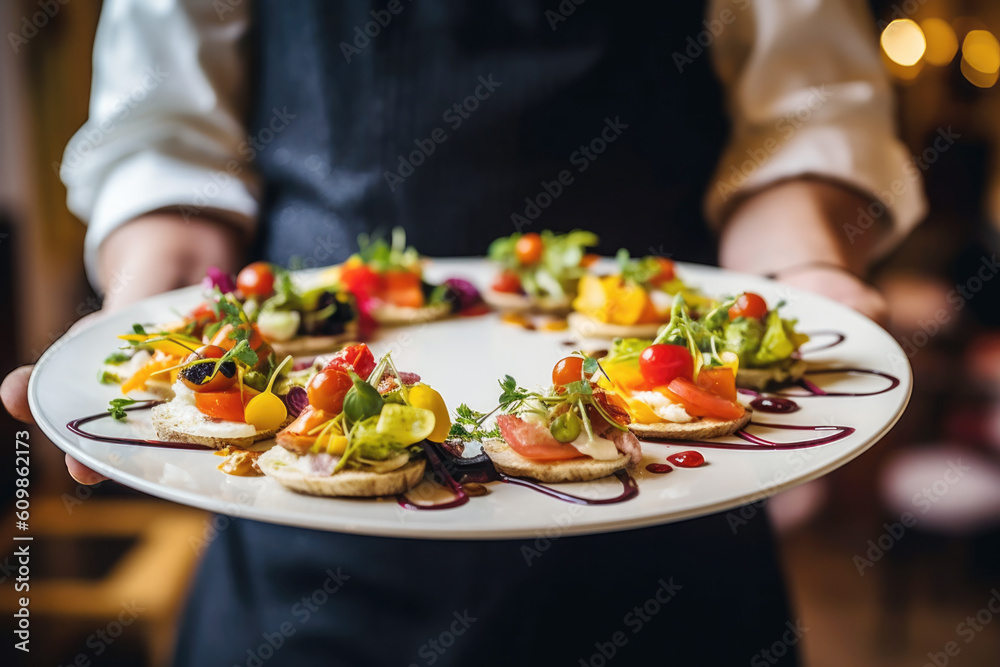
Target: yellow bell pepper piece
point(422, 396)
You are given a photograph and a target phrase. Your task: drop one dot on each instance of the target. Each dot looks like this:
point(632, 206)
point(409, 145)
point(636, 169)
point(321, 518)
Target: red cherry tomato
point(222, 339)
point(295, 437)
point(360, 280)
point(256, 280)
point(567, 369)
point(197, 376)
point(718, 380)
point(206, 352)
point(508, 282)
point(749, 305)
point(659, 364)
point(534, 441)
point(358, 358)
point(327, 390)
point(589, 259)
point(701, 403)
point(666, 274)
point(529, 249)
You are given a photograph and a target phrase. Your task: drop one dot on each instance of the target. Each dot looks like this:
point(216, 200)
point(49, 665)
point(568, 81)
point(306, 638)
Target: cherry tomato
point(206, 352)
point(411, 297)
point(749, 305)
point(507, 282)
point(228, 405)
point(534, 441)
point(199, 377)
point(358, 358)
point(702, 403)
point(589, 259)
point(295, 437)
point(659, 364)
point(666, 274)
point(222, 339)
point(529, 249)
point(718, 380)
point(397, 279)
point(567, 369)
point(327, 390)
point(256, 280)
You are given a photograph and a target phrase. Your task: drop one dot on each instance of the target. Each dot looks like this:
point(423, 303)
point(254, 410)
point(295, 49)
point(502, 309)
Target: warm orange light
point(942, 44)
point(903, 42)
point(981, 50)
point(977, 78)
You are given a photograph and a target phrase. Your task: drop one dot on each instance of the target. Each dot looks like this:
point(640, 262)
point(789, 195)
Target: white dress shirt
point(805, 87)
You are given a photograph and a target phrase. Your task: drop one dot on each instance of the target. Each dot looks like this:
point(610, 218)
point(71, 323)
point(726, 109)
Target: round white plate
point(463, 358)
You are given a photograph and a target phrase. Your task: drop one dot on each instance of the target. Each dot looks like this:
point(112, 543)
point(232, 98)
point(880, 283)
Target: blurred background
point(868, 594)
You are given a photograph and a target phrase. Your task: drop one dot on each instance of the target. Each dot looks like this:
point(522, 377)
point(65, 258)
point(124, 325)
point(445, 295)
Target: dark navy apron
point(462, 122)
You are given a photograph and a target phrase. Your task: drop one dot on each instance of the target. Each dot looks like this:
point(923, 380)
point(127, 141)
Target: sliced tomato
point(295, 437)
point(533, 441)
point(408, 297)
point(507, 282)
point(227, 405)
point(718, 380)
point(359, 279)
point(702, 403)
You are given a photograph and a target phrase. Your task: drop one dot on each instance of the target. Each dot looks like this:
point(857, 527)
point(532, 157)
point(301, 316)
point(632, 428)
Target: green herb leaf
point(139, 329)
point(116, 408)
point(116, 358)
point(104, 377)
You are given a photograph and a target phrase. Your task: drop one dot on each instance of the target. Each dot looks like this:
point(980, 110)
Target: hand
point(798, 222)
point(152, 254)
point(843, 287)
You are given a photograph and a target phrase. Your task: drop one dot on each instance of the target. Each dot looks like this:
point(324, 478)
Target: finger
point(82, 473)
point(14, 394)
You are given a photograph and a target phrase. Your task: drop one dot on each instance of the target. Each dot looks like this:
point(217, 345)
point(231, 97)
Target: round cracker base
point(388, 315)
point(509, 462)
point(346, 483)
point(521, 303)
point(703, 429)
point(585, 326)
point(170, 429)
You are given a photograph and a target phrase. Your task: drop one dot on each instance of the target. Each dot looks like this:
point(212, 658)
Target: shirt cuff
point(148, 182)
point(878, 167)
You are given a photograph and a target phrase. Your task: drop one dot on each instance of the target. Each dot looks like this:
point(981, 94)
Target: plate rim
point(54, 432)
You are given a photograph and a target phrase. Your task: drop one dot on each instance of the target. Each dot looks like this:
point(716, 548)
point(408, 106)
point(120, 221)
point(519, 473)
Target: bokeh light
point(981, 50)
point(942, 44)
point(977, 78)
point(903, 42)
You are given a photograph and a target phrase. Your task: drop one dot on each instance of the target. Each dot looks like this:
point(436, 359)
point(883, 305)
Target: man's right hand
point(155, 253)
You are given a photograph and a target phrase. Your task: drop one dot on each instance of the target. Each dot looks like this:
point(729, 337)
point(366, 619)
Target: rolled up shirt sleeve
point(808, 96)
point(165, 127)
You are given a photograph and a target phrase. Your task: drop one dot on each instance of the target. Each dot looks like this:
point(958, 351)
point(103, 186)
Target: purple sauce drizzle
point(837, 337)
point(774, 404)
point(448, 465)
point(759, 443)
point(74, 427)
point(441, 476)
point(630, 489)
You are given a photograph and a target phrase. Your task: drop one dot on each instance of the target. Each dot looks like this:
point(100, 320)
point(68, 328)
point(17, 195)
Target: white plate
point(463, 358)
